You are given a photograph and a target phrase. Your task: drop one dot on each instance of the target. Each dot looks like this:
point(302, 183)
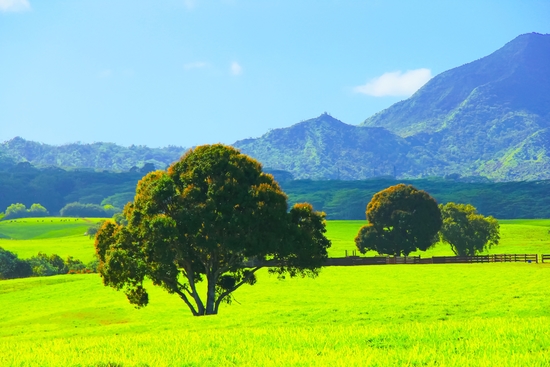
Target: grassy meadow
point(52, 235)
point(518, 236)
point(395, 315)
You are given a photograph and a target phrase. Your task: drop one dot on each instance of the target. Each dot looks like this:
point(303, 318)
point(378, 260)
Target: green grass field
point(394, 315)
point(52, 235)
point(518, 236)
point(65, 236)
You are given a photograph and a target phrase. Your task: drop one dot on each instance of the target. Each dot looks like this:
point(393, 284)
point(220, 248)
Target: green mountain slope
point(326, 148)
point(488, 117)
point(98, 156)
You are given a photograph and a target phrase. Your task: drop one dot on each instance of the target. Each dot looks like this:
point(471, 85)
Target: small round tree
point(467, 231)
point(401, 219)
point(213, 216)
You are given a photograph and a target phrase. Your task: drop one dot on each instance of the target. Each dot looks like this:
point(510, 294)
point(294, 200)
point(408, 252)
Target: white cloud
point(236, 69)
point(14, 5)
point(195, 65)
point(190, 4)
point(396, 83)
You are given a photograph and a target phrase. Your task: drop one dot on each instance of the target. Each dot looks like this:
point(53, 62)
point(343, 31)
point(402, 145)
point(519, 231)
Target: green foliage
point(324, 148)
point(96, 156)
point(119, 200)
point(401, 219)
point(87, 210)
point(55, 188)
point(94, 228)
point(211, 212)
point(488, 117)
point(19, 210)
point(40, 265)
point(38, 210)
point(16, 211)
point(12, 267)
point(76, 266)
point(468, 232)
point(345, 199)
point(44, 265)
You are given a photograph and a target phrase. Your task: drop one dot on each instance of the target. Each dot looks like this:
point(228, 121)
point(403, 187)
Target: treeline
point(11, 266)
point(55, 188)
point(503, 200)
point(97, 156)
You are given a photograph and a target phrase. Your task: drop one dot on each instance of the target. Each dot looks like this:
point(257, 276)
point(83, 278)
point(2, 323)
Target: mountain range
point(486, 119)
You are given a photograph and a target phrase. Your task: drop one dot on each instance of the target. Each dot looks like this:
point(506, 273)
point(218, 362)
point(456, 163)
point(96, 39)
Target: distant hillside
point(486, 119)
point(97, 156)
point(489, 118)
point(326, 148)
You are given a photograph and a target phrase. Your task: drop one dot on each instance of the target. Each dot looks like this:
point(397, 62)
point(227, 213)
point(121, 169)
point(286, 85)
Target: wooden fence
point(527, 258)
point(356, 260)
point(386, 260)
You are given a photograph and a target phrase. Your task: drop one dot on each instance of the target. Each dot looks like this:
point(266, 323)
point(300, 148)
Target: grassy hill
point(51, 235)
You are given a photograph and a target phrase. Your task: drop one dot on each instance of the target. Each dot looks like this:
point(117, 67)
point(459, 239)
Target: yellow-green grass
point(518, 236)
point(407, 315)
point(65, 237)
point(402, 315)
point(52, 235)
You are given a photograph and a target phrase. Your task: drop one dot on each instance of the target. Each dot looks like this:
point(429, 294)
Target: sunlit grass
point(65, 236)
point(518, 236)
point(394, 315)
point(61, 236)
point(462, 315)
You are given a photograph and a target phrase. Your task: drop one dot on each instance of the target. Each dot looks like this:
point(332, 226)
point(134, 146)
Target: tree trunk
point(211, 296)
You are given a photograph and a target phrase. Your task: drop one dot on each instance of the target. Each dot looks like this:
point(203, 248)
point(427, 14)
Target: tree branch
point(193, 293)
point(232, 261)
point(186, 300)
point(235, 287)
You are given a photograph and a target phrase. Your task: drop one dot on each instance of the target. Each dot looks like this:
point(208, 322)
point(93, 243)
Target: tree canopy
point(401, 219)
point(213, 216)
point(19, 210)
point(467, 231)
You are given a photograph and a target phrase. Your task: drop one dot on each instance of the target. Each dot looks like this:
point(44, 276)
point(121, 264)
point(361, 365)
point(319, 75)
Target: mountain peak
point(515, 77)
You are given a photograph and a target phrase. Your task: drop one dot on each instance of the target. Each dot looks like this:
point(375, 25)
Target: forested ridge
point(54, 188)
point(95, 156)
point(488, 118)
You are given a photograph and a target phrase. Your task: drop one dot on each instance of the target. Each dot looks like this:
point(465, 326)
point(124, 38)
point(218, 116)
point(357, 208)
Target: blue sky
point(189, 72)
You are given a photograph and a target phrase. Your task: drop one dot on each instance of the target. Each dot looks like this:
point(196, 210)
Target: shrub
point(44, 265)
point(19, 210)
point(83, 211)
point(13, 267)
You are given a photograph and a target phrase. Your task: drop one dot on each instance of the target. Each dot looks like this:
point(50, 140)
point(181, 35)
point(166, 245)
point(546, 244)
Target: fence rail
point(527, 258)
point(356, 260)
point(386, 260)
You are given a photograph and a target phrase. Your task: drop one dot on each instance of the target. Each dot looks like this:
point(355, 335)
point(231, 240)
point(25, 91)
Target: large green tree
point(212, 216)
point(467, 231)
point(401, 219)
